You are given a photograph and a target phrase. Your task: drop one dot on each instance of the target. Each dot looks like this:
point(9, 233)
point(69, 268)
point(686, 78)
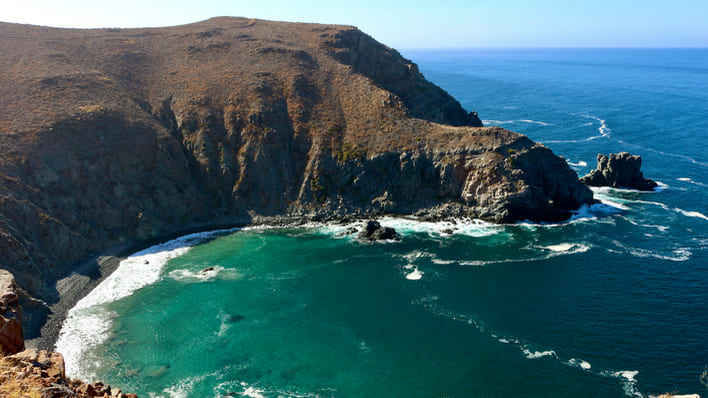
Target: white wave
point(597, 210)
point(660, 187)
point(553, 251)
point(87, 323)
point(415, 275)
point(661, 228)
point(493, 122)
point(581, 163)
point(679, 255)
point(629, 383)
point(538, 354)
point(579, 363)
point(184, 388)
point(442, 262)
point(561, 247)
point(536, 122)
point(468, 227)
point(253, 392)
point(603, 130)
point(691, 213)
point(690, 181)
point(204, 275)
point(227, 388)
point(411, 225)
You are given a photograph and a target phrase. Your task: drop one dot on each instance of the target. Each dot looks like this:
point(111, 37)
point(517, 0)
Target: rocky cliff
point(110, 137)
point(35, 373)
point(619, 170)
point(11, 337)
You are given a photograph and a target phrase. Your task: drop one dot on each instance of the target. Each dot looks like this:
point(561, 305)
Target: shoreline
point(90, 273)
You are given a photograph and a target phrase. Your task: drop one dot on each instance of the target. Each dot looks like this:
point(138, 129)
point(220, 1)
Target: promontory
point(113, 137)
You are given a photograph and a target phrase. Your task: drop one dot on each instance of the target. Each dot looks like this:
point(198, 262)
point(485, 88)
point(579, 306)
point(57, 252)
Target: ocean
point(613, 303)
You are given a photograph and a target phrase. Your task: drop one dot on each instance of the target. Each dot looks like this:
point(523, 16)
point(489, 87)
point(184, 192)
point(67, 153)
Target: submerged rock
point(619, 171)
point(374, 231)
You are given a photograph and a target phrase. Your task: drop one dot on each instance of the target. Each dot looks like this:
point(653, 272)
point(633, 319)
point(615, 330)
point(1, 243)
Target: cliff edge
point(110, 137)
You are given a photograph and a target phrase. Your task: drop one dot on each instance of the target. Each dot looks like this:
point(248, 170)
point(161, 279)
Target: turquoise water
point(611, 304)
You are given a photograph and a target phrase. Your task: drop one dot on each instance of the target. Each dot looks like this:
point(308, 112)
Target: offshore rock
point(11, 337)
point(374, 231)
point(619, 171)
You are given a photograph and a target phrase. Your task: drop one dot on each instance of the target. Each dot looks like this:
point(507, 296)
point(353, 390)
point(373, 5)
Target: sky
point(412, 24)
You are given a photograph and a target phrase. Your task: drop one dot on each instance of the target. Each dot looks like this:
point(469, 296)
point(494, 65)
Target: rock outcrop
point(11, 337)
point(620, 170)
point(34, 373)
point(113, 137)
point(373, 231)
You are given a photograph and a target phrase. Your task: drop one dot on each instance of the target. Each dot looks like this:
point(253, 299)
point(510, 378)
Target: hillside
point(112, 137)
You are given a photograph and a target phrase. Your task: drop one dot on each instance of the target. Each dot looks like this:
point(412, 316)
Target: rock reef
point(619, 170)
point(373, 231)
point(120, 137)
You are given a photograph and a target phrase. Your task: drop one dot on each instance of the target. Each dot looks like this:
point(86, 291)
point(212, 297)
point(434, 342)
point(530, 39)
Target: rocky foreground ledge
point(35, 373)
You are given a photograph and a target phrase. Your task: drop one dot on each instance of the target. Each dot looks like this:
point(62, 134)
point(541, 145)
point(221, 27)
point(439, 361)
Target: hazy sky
point(414, 23)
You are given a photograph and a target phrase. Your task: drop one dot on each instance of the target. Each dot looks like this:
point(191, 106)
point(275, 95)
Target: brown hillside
point(114, 136)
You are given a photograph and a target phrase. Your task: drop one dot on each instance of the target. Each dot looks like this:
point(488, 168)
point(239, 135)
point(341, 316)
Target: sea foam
point(88, 322)
point(694, 214)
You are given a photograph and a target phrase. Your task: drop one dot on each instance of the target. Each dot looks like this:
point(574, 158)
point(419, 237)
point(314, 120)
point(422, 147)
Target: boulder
point(11, 337)
point(51, 362)
point(374, 231)
point(619, 171)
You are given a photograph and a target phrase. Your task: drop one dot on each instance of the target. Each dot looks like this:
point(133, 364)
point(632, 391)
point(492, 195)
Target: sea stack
point(620, 170)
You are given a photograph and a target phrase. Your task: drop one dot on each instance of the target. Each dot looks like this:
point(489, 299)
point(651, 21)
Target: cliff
point(110, 137)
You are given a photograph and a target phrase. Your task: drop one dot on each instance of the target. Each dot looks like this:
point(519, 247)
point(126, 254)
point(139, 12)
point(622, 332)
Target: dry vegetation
point(15, 383)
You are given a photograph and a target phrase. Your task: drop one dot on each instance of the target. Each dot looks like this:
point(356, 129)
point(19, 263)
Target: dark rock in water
point(236, 318)
point(619, 171)
point(373, 231)
point(207, 269)
point(351, 231)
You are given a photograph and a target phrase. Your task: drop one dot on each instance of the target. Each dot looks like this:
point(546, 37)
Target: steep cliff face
point(112, 136)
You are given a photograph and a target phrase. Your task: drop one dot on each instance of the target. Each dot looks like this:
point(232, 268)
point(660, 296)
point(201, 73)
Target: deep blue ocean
point(613, 303)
